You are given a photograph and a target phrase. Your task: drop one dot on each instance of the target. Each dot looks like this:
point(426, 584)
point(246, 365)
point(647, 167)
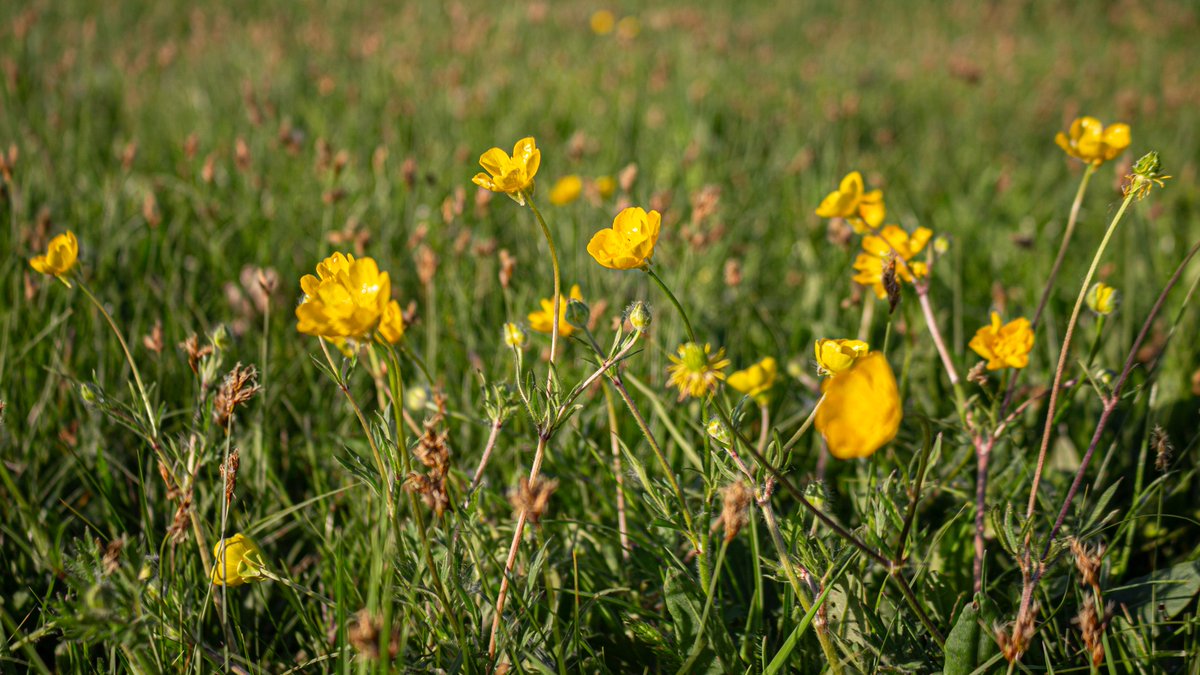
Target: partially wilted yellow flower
point(513, 336)
point(542, 320)
point(864, 210)
point(629, 243)
point(1089, 140)
point(835, 356)
point(602, 21)
point(566, 190)
point(391, 324)
point(1004, 345)
point(755, 381)
point(236, 560)
point(510, 175)
point(61, 255)
point(695, 370)
point(347, 299)
point(1102, 298)
point(861, 408)
point(878, 248)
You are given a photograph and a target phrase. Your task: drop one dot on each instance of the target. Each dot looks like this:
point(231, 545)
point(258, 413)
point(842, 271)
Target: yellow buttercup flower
point(835, 356)
point(864, 210)
point(755, 381)
point(542, 320)
point(1102, 298)
point(1004, 346)
point(391, 324)
point(61, 255)
point(878, 248)
point(512, 175)
point(602, 22)
point(696, 370)
point(566, 190)
point(629, 243)
point(1089, 140)
point(236, 560)
point(347, 299)
point(861, 408)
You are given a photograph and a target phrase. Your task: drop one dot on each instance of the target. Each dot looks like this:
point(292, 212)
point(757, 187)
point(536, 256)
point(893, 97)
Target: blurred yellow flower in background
point(602, 21)
point(512, 175)
point(1089, 140)
point(1102, 298)
point(606, 186)
point(861, 409)
point(543, 320)
point(348, 298)
point(835, 356)
point(864, 210)
point(566, 190)
point(695, 370)
point(757, 380)
point(1004, 345)
point(61, 255)
point(236, 560)
point(878, 248)
point(629, 243)
point(628, 27)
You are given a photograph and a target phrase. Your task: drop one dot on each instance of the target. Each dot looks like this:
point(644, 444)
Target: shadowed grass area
point(208, 156)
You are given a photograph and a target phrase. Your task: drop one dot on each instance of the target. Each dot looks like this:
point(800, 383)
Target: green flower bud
point(578, 313)
point(639, 316)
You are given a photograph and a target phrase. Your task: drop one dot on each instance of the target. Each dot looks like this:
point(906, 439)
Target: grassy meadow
point(207, 156)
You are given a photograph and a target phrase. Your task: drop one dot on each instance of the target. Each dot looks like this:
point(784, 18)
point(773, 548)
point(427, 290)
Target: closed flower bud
point(89, 394)
point(716, 429)
point(578, 313)
point(639, 316)
point(513, 336)
point(1102, 298)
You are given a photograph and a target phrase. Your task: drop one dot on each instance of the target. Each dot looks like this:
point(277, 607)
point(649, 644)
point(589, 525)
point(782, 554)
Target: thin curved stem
point(137, 376)
point(1065, 352)
point(675, 301)
point(557, 286)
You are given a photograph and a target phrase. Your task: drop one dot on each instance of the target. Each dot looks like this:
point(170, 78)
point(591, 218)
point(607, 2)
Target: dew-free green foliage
point(190, 146)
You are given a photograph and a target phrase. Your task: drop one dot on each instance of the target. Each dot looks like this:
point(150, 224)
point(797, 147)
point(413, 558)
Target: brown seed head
point(1163, 449)
point(532, 497)
point(239, 386)
point(735, 500)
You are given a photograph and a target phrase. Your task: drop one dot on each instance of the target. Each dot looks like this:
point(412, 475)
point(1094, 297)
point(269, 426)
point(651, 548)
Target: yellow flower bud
point(1102, 298)
point(513, 336)
point(835, 356)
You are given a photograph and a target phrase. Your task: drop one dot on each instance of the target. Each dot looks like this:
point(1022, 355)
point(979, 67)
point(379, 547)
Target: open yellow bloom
point(1102, 298)
point(861, 409)
point(755, 381)
point(1089, 140)
point(236, 560)
point(695, 370)
point(513, 335)
point(566, 190)
point(878, 248)
point(61, 255)
point(510, 175)
point(629, 243)
point(864, 210)
point(835, 356)
point(1004, 346)
point(347, 299)
point(542, 320)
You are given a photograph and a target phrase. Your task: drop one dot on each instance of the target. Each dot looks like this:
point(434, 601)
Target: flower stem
point(137, 377)
point(675, 301)
point(803, 427)
point(1065, 352)
point(557, 285)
